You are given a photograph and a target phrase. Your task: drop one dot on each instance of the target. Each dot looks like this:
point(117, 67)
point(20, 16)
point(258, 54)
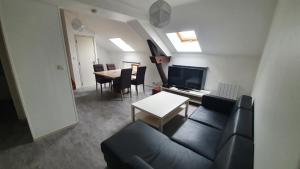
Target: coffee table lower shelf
point(155, 121)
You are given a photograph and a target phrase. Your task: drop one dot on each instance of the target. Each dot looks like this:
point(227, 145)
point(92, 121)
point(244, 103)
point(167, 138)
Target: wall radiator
point(228, 90)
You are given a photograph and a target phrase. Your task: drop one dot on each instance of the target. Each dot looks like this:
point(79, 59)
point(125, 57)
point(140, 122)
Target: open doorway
point(14, 129)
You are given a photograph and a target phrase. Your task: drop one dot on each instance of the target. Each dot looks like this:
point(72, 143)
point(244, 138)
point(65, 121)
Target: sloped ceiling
point(223, 27)
point(105, 29)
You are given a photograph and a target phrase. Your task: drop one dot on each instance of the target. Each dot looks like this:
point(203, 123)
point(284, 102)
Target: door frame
point(77, 53)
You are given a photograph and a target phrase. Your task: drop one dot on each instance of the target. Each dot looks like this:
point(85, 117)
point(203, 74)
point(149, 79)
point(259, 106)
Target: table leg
point(186, 108)
point(133, 113)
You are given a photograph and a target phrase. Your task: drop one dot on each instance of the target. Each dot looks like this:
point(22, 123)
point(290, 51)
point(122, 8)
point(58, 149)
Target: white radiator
point(228, 90)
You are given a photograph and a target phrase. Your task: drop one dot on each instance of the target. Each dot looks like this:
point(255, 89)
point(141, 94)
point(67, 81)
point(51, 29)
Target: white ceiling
point(224, 27)
point(144, 5)
point(105, 29)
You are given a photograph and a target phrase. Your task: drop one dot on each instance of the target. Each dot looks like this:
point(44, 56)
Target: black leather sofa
point(218, 135)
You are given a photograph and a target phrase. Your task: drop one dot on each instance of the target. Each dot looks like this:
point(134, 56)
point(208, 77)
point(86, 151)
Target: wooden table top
point(110, 73)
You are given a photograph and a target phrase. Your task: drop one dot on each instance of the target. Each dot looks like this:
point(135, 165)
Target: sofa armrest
point(219, 104)
point(135, 162)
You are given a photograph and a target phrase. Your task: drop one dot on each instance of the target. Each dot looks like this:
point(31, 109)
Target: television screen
point(186, 77)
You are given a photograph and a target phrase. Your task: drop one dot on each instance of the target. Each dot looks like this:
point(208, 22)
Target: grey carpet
point(78, 147)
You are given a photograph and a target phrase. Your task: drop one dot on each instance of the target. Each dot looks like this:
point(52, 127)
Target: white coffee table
point(158, 109)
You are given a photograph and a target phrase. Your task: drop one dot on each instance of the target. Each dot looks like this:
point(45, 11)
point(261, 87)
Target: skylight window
point(121, 44)
point(185, 41)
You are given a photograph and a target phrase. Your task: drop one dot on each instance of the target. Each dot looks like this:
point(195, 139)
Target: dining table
point(113, 74)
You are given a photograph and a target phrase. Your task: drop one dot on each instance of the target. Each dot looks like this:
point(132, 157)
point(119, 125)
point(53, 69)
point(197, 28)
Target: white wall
point(228, 69)
point(103, 56)
point(142, 57)
point(277, 94)
point(35, 47)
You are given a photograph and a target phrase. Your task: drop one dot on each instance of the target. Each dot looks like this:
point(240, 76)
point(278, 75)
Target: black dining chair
point(100, 79)
point(123, 82)
point(111, 66)
point(139, 78)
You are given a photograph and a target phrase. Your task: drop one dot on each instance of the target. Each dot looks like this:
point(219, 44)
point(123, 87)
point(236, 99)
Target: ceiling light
point(121, 44)
point(160, 13)
point(77, 25)
point(94, 10)
point(185, 41)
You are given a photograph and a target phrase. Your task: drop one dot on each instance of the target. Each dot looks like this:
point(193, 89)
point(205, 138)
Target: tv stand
point(194, 95)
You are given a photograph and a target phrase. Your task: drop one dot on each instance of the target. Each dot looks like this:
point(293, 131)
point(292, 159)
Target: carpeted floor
point(78, 147)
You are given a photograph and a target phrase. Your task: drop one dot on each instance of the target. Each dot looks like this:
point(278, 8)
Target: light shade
point(121, 44)
point(77, 25)
point(160, 13)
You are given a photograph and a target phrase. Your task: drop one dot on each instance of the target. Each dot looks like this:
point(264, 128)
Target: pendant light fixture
point(160, 13)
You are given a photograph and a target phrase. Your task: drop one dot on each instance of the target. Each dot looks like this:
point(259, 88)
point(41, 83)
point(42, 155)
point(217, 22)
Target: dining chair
point(100, 79)
point(134, 68)
point(111, 66)
point(139, 78)
point(123, 82)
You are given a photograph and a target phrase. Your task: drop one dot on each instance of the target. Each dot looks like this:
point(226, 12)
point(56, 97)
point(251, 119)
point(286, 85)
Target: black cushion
point(209, 117)
point(152, 146)
point(135, 162)
point(239, 123)
point(237, 153)
point(199, 138)
point(244, 102)
point(219, 104)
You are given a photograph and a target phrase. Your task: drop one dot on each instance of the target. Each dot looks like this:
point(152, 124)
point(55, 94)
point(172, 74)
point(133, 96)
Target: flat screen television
point(187, 77)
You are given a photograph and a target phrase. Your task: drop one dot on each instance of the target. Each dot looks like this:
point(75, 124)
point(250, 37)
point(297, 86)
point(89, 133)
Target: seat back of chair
point(111, 66)
point(98, 67)
point(125, 79)
point(140, 75)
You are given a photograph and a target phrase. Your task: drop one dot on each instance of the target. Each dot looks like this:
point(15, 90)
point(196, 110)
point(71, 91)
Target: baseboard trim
point(54, 132)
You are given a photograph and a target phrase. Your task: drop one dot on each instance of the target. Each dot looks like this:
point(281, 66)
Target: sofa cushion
point(219, 104)
point(152, 146)
point(237, 153)
point(244, 102)
point(135, 162)
point(209, 117)
point(199, 138)
point(239, 123)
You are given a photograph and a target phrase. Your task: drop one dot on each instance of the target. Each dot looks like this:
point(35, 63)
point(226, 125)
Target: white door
point(36, 50)
point(86, 59)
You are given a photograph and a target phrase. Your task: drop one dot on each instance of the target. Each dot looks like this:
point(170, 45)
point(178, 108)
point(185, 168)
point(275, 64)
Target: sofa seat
point(199, 138)
point(237, 153)
point(239, 123)
point(209, 117)
point(156, 149)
